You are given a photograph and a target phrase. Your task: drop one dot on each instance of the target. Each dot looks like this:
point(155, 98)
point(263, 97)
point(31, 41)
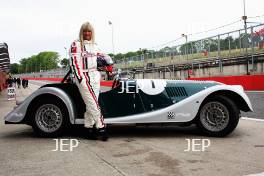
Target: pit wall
point(249, 82)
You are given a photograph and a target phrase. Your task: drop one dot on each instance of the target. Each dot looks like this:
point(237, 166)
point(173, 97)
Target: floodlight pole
point(246, 40)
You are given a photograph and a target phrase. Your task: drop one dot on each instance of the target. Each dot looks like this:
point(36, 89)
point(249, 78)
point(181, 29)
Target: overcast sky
point(30, 26)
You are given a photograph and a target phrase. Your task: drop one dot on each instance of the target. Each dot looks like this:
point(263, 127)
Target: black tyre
point(218, 116)
point(49, 117)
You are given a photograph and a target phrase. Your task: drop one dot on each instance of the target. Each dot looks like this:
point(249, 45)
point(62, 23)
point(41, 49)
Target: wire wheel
point(214, 116)
point(48, 118)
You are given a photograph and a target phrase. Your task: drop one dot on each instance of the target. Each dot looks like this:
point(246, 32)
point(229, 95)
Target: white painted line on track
point(253, 119)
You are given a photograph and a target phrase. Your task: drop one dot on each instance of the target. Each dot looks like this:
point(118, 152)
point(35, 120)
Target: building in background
point(4, 64)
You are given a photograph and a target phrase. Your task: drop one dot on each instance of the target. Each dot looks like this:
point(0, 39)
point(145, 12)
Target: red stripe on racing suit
point(75, 56)
point(86, 75)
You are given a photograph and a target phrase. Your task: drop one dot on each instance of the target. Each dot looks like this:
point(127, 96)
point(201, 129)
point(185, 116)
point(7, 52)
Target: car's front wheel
point(49, 117)
point(218, 116)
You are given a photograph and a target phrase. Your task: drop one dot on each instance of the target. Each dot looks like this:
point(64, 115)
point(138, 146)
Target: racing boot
point(92, 134)
point(102, 134)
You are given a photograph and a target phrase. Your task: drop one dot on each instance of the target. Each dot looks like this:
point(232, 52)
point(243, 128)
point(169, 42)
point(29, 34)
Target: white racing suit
point(83, 62)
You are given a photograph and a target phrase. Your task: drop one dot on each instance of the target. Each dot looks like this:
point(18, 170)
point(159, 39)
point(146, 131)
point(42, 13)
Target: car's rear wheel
point(218, 116)
point(49, 117)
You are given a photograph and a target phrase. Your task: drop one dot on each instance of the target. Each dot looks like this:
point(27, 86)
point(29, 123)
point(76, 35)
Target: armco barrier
point(249, 82)
point(44, 79)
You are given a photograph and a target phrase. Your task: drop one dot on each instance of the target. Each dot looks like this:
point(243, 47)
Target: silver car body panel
point(19, 112)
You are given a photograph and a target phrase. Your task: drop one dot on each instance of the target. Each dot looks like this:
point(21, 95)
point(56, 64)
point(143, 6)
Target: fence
point(231, 44)
point(54, 73)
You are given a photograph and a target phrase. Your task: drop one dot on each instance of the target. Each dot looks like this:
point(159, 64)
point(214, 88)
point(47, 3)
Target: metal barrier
point(231, 44)
point(54, 73)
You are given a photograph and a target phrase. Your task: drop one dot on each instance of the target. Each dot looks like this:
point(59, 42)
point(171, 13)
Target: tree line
point(45, 60)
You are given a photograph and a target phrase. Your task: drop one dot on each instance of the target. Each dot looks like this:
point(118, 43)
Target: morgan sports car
point(214, 107)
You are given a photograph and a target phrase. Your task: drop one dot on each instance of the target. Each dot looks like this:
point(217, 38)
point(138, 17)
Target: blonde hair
point(89, 27)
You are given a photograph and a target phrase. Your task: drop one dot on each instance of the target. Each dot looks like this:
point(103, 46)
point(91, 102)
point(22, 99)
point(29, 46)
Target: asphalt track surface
point(257, 101)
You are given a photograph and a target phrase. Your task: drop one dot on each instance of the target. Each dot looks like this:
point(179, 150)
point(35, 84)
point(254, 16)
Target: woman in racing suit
point(84, 54)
